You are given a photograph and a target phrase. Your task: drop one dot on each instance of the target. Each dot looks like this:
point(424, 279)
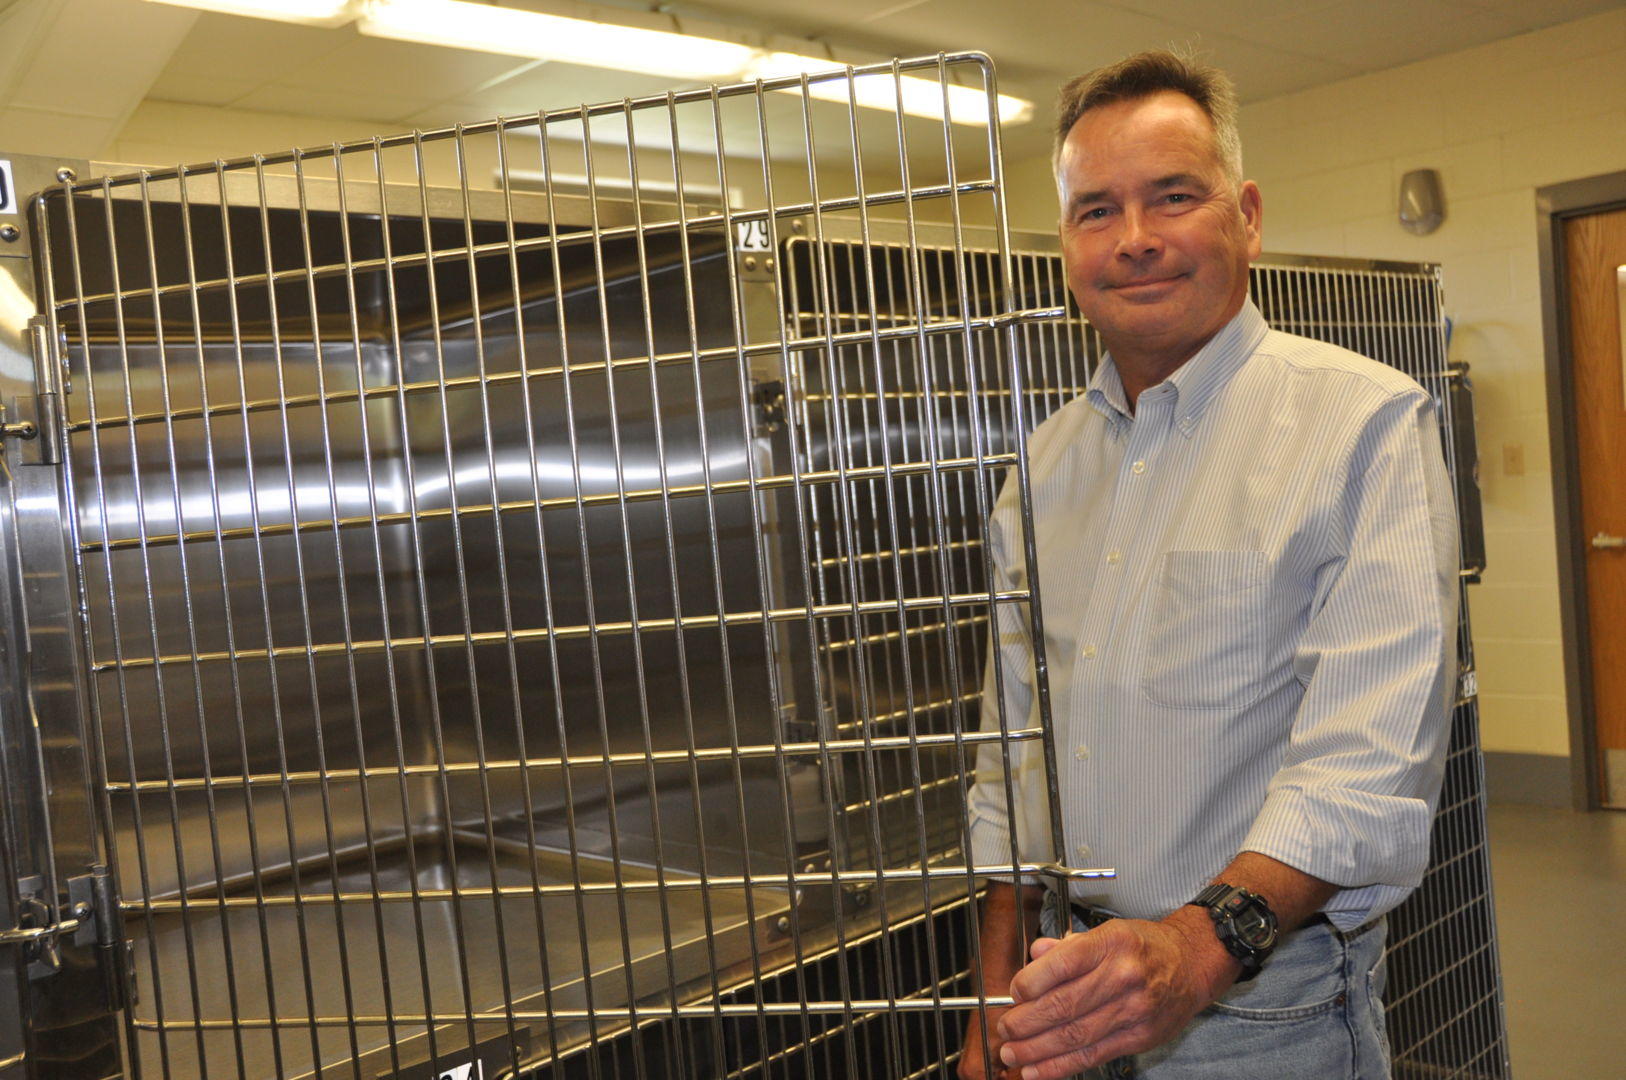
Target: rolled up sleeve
point(1354, 797)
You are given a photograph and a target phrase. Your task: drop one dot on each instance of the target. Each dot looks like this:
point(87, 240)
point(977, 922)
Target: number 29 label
point(752, 236)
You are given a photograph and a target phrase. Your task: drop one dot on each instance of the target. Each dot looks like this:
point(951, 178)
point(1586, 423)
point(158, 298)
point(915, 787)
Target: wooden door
point(1596, 269)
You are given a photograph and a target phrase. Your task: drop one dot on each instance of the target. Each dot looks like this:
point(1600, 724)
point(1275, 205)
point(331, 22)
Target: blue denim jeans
point(1314, 1013)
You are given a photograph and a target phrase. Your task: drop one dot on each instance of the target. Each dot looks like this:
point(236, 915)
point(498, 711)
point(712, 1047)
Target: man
point(1247, 549)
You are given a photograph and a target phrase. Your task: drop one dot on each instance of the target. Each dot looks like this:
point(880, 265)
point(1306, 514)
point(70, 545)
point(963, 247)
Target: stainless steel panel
point(50, 834)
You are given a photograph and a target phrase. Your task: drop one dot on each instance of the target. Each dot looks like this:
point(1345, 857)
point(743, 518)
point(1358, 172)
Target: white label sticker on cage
point(752, 236)
point(8, 194)
point(473, 1070)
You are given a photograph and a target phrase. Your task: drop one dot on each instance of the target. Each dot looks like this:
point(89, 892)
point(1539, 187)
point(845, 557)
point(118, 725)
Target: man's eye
point(1179, 197)
point(1094, 213)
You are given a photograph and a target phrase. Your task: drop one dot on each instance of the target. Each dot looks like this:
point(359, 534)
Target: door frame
point(1556, 203)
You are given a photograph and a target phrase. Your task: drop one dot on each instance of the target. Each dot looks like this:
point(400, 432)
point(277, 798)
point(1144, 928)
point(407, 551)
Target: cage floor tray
point(376, 960)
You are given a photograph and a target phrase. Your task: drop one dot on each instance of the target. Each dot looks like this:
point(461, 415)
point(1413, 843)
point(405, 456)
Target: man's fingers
point(1076, 1031)
point(1041, 946)
point(1071, 957)
point(1077, 1059)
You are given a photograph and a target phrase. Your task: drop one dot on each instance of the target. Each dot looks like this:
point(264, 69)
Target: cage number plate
point(752, 236)
point(490, 1061)
point(8, 194)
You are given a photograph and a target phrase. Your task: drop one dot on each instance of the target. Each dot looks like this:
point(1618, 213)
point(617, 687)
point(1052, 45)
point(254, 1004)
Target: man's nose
point(1139, 236)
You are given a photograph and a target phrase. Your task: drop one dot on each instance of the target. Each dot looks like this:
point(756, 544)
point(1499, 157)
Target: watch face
point(1255, 929)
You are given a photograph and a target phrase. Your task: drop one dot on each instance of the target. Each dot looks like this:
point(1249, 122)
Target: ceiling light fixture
point(517, 32)
point(511, 31)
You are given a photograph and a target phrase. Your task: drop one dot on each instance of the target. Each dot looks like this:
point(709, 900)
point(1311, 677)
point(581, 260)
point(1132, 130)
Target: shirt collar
point(1195, 382)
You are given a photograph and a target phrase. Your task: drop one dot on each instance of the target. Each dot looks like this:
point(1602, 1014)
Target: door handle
point(1603, 540)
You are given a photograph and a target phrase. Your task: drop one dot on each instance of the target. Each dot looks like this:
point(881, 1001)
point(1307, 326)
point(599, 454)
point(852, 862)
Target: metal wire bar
point(690, 753)
point(589, 631)
point(723, 487)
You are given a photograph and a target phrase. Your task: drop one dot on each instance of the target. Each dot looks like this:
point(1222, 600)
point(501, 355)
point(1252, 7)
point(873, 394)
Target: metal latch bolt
point(19, 429)
point(92, 919)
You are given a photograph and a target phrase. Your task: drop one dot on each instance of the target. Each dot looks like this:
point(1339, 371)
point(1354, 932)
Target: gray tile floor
point(1560, 881)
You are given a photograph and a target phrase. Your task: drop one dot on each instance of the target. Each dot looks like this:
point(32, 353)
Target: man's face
point(1156, 237)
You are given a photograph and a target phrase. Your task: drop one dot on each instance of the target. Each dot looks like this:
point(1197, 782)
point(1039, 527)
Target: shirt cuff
point(1344, 836)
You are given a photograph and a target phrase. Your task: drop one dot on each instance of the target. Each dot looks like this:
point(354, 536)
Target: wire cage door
point(501, 649)
point(1443, 995)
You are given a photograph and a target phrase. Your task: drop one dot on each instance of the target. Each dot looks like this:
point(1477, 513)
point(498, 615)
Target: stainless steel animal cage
point(538, 629)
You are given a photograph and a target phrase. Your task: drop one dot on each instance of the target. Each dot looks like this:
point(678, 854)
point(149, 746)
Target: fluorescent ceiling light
point(308, 12)
point(919, 97)
point(520, 32)
point(516, 32)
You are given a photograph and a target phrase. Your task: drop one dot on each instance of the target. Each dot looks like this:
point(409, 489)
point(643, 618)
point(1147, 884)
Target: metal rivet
point(798, 226)
point(66, 175)
point(10, 233)
point(767, 264)
point(750, 262)
point(782, 924)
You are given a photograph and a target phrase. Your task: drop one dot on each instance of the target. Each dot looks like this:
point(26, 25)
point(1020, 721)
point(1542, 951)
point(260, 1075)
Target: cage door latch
point(89, 918)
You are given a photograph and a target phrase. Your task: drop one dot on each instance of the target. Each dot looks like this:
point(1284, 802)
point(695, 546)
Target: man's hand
point(973, 1066)
point(1122, 988)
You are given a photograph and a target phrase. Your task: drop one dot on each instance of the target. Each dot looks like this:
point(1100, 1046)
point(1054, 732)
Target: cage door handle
point(1027, 315)
point(1073, 873)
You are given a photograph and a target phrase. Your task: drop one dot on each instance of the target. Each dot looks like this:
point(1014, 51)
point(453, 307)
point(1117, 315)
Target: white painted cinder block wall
point(1498, 122)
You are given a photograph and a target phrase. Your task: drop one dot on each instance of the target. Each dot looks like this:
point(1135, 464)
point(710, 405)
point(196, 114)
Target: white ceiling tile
point(559, 86)
point(258, 50)
point(379, 67)
point(325, 101)
point(798, 18)
point(199, 88)
point(1532, 14)
point(100, 56)
point(1374, 34)
point(1230, 18)
point(37, 131)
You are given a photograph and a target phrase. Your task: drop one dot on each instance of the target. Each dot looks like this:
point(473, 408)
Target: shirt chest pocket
point(1208, 638)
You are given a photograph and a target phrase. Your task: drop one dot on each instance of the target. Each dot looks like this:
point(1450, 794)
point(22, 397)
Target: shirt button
point(1115, 557)
point(1088, 652)
point(1083, 851)
point(1138, 467)
point(1081, 752)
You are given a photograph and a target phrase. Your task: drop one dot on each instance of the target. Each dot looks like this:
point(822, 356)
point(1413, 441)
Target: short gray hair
point(1148, 73)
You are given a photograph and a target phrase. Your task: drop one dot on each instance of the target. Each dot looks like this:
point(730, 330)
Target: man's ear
point(1253, 216)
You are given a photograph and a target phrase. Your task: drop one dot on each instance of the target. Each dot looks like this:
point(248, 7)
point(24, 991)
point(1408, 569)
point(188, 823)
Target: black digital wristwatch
point(1244, 923)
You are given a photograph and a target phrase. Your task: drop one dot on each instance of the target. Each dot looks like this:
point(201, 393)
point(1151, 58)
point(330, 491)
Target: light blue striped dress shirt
point(1249, 591)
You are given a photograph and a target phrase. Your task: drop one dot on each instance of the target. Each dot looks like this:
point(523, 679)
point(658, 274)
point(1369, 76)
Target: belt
point(1092, 917)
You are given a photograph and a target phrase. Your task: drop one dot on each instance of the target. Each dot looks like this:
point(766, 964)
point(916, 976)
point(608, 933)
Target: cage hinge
point(34, 421)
